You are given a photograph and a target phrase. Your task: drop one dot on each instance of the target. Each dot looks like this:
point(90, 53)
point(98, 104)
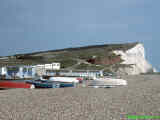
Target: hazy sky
point(33, 25)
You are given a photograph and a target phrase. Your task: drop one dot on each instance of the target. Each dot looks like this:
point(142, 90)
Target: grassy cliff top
point(69, 57)
point(109, 47)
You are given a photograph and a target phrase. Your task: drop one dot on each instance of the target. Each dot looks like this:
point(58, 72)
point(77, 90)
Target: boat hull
point(107, 83)
point(9, 84)
point(50, 84)
point(64, 79)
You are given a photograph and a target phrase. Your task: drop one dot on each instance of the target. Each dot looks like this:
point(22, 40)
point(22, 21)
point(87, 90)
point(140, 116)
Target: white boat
point(107, 82)
point(64, 79)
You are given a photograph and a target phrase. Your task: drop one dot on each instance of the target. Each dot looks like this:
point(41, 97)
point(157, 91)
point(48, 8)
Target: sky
point(37, 25)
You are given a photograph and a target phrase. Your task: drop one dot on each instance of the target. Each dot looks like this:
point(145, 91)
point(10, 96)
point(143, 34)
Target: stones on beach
point(139, 98)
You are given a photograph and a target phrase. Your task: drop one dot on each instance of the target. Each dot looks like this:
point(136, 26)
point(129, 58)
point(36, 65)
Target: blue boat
point(66, 84)
point(43, 84)
point(49, 84)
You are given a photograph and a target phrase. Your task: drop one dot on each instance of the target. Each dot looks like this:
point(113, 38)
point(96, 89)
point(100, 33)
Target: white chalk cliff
point(135, 57)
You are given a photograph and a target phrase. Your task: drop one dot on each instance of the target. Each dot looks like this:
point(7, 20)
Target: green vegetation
point(12, 68)
point(83, 66)
point(67, 63)
point(70, 56)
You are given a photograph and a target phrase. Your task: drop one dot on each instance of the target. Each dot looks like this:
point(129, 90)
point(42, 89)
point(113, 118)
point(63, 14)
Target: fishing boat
point(43, 84)
point(49, 84)
point(64, 79)
point(62, 84)
point(80, 79)
point(12, 84)
point(107, 82)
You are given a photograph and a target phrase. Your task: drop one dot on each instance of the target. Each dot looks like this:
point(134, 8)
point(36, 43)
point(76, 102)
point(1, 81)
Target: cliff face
point(135, 58)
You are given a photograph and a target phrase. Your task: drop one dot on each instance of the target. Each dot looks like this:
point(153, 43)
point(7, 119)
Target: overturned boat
point(107, 82)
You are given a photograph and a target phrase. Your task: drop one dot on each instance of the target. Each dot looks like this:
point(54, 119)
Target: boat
point(107, 82)
point(64, 79)
point(49, 84)
point(43, 83)
point(101, 86)
point(62, 84)
point(80, 79)
point(10, 84)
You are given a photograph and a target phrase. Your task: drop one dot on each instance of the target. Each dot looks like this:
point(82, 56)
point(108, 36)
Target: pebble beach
point(140, 97)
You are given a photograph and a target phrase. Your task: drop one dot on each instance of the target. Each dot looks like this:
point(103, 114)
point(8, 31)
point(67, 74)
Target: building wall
point(41, 69)
point(3, 71)
point(53, 66)
point(18, 71)
point(78, 73)
point(26, 72)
